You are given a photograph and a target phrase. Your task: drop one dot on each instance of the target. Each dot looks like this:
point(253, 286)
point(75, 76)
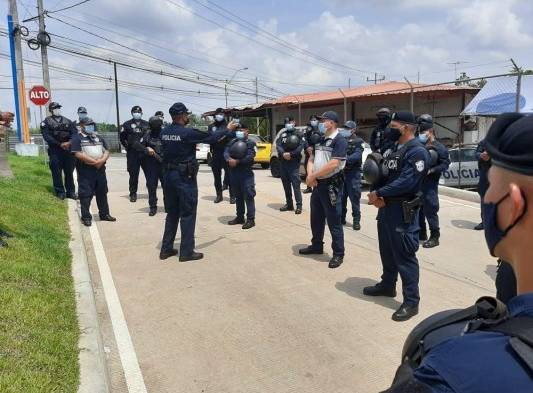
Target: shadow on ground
point(275, 206)
point(353, 286)
point(139, 196)
point(317, 258)
point(464, 224)
point(210, 198)
point(224, 219)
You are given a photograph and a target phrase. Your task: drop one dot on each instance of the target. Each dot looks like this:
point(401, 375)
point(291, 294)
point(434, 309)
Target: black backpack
point(487, 314)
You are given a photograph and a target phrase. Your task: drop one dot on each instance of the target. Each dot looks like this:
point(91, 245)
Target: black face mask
point(394, 134)
point(383, 120)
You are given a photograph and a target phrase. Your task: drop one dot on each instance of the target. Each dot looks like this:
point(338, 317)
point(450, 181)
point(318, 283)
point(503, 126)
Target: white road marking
point(460, 204)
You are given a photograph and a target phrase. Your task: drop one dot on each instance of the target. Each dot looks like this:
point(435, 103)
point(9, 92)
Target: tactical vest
point(59, 130)
point(353, 143)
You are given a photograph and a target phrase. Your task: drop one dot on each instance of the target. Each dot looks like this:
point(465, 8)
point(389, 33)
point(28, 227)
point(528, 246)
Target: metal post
point(412, 104)
point(226, 94)
point(116, 96)
point(299, 112)
point(14, 72)
point(257, 102)
point(44, 50)
point(518, 88)
point(345, 106)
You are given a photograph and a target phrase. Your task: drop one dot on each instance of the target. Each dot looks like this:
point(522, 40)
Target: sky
point(290, 46)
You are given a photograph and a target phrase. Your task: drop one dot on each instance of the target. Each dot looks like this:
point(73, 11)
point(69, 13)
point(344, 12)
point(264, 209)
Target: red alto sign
point(39, 95)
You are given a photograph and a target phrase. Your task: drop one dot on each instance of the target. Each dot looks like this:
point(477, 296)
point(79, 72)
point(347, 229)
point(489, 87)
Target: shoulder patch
point(329, 142)
point(420, 165)
point(214, 128)
point(43, 124)
point(133, 125)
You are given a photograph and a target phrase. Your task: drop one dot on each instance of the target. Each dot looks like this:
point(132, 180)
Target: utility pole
point(44, 50)
point(116, 97)
point(257, 102)
point(349, 83)
point(18, 77)
point(376, 79)
point(455, 64)
point(412, 98)
point(518, 85)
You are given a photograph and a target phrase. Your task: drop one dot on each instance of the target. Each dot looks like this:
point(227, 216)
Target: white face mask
point(314, 123)
point(137, 115)
point(219, 118)
point(56, 112)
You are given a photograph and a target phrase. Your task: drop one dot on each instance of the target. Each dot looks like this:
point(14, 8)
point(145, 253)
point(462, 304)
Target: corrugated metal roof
point(387, 88)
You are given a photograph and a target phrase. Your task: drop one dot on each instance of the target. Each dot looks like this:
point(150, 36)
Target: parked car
point(263, 150)
point(463, 171)
point(203, 153)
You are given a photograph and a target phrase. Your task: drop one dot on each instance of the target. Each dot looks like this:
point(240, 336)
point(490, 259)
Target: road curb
point(93, 370)
point(459, 194)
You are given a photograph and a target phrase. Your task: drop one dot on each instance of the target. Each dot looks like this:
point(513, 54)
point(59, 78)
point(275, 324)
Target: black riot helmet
point(384, 116)
point(315, 138)
point(292, 142)
point(155, 123)
point(425, 122)
point(136, 108)
point(238, 150)
point(350, 125)
point(374, 169)
point(160, 114)
point(433, 156)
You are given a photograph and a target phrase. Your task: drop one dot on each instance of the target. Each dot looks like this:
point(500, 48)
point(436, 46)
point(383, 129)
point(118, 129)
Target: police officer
point(486, 357)
point(379, 139)
point(218, 163)
point(160, 114)
point(149, 148)
point(130, 133)
point(92, 153)
point(430, 185)
point(58, 131)
point(398, 199)
point(178, 145)
point(324, 174)
point(352, 174)
point(311, 135)
point(290, 145)
point(483, 163)
point(240, 154)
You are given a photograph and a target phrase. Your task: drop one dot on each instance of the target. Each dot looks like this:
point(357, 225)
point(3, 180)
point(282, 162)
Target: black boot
point(167, 254)
point(335, 262)
point(153, 211)
point(379, 290)
point(479, 227)
point(236, 221)
point(356, 226)
point(193, 257)
point(133, 197)
point(308, 190)
point(298, 210)
point(87, 222)
point(72, 196)
point(232, 200)
point(286, 208)
point(249, 224)
point(108, 217)
point(219, 197)
point(432, 242)
point(310, 250)
point(404, 313)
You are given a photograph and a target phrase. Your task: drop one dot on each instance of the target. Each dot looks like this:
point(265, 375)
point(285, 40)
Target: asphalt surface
point(254, 316)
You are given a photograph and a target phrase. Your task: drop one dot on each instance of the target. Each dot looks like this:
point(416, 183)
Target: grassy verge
point(38, 325)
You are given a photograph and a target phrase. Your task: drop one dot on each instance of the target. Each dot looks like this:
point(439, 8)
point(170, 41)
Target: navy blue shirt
point(443, 162)
point(178, 143)
point(479, 362)
point(57, 129)
point(355, 150)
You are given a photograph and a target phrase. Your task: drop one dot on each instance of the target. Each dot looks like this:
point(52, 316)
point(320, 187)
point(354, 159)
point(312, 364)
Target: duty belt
point(399, 199)
point(336, 178)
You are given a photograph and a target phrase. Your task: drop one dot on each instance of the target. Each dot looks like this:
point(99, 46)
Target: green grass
point(38, 324)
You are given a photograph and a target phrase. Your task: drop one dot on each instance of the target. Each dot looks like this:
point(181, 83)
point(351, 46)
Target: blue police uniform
point(398, 240)
point(290, 169)
point(430, 188)
point(379, 139)
point(131, 133)
point(352, 175)
point(92, 182)
point(484, 167)
point(178, 145)
point(55, 131)
point(218, 163)
point(322, 208)
point(479, 362)
point(242, 180)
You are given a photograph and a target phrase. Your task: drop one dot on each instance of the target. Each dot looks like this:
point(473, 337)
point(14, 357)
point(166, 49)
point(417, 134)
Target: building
point(444, 102)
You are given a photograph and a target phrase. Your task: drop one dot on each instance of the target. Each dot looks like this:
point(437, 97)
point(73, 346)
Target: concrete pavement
point(253, 316)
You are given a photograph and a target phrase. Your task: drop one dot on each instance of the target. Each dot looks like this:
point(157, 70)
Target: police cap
point(329, 115)
point(219, 111)
point(350, 125)
point(82, 109)
point(178, 108)
point(404, 117)
point(54, 105)
point(136, 108)
point(425, 118)
point(159, 113)
point(509, 143)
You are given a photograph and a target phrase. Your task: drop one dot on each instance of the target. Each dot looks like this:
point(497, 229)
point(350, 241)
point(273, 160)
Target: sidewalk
point(253, 316)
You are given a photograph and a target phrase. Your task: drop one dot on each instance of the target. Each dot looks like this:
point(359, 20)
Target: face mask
point(56, 112)
point(219, 118)
point(289, 126)
point(314, 123)
point(89, 129)
point(82, 116)
point(137, 115)
point(346, 133)
point(423, 138)
point(383, 120)
point(493, 234)
point(239, 134)
point(395, 134)
point(322, 128)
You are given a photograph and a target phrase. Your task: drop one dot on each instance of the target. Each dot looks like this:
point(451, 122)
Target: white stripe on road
point(128, 357)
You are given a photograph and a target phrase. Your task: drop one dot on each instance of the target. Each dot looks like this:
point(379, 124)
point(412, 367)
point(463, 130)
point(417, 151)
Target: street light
point(231, 80)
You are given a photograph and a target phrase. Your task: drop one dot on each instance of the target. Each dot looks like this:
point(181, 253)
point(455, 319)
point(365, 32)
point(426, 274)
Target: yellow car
point(263, 149)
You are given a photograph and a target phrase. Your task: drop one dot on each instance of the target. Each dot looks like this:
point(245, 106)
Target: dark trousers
point(290, 178)
point(323, 211)
point(92, 182)
point(352, 190)
point(181, 201)
point(483, 185)
point(134, 161)
point(398, 244)
point(219, 164)
point(430, 208)
point(62, 164)
point(243, 186)
point(153, 171)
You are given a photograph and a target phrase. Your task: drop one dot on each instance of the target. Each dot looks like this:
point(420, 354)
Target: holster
point(335, 184)
point(410, 208)
point(188, 169)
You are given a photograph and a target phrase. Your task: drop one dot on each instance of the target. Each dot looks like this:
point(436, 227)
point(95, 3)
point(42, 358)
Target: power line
point(69, 7)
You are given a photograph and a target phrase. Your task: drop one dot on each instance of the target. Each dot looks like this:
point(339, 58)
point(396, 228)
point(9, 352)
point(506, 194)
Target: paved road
point(253, 316)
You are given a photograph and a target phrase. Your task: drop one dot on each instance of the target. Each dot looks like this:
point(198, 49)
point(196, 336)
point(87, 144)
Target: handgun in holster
point(410, 208)
point(334, 186)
